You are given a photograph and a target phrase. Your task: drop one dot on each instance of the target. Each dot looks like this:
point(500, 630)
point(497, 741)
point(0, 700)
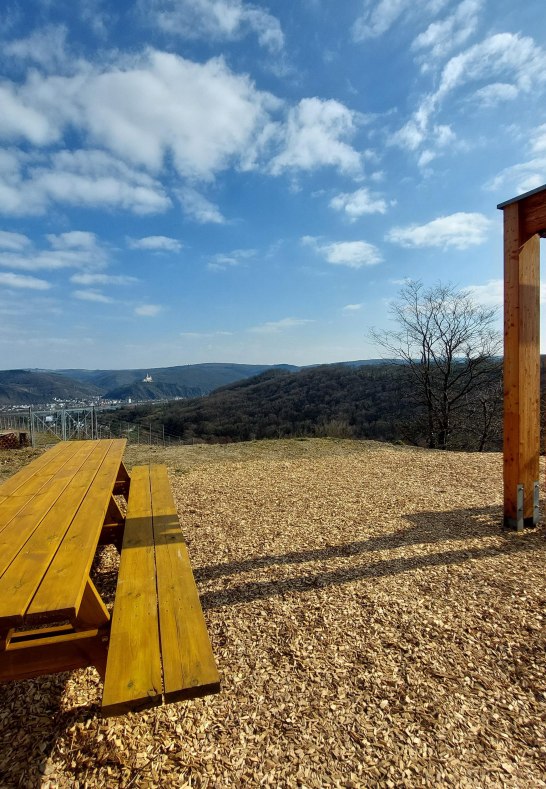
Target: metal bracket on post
point(519, 510)
point(536, 503)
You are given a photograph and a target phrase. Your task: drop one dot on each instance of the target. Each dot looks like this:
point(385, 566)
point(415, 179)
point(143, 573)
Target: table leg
point(92, 611)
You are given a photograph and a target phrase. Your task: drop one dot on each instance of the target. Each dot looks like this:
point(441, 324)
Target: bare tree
point(450, 349)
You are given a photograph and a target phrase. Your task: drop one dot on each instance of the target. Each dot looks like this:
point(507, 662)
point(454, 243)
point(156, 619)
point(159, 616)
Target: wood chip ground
point(372, 624)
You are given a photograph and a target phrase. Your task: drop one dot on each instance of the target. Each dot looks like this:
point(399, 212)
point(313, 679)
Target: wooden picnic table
point(53, 515)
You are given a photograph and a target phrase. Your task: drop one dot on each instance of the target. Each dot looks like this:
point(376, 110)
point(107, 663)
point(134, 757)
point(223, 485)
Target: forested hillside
point(22, 387)
point(376, 401)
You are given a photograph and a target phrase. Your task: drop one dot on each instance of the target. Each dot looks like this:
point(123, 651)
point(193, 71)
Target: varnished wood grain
point(133, 671)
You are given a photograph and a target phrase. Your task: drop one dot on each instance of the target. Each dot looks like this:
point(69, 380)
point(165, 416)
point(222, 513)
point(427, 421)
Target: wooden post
point(524, 222)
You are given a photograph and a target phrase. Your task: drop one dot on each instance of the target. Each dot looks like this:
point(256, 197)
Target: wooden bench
point(159, 648)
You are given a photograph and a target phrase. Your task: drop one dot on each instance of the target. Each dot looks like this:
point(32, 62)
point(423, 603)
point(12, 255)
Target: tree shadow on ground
point(427, 528)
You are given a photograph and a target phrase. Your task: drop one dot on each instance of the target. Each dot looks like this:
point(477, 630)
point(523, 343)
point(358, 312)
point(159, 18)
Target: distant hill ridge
point(28, 387)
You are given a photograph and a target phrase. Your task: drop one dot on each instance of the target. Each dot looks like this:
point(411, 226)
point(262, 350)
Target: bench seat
point(159, 648)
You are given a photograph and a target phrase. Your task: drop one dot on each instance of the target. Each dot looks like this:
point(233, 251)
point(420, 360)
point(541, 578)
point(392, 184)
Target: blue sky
point(188, 181)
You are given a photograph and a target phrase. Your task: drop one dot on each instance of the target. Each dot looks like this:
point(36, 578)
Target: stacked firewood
point(13, 439)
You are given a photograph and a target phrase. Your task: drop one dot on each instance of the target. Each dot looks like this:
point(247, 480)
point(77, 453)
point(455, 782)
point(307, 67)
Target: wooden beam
point(521, 365)
point(34, 653)
point(533, 212)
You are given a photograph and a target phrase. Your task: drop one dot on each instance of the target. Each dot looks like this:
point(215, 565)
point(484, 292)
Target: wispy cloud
point(92, 295)
point(74, 239)
point(156, 244)
point(197, 207)
point(219, 20)
point(527, 175)
point(10, 280)
point(446, 35)
point(199, 335)
point(148, 310)
point(359, 203)
point(491, 294)
point(102, 279)
point(353, 254)
point(45, 47)
point(352, 307)
point(14, 242)
point(74, 249)
point(460, 230)
point(86, 178)
point(237, 257)
point(503, 65)
point(378, 17)
point(274, 327)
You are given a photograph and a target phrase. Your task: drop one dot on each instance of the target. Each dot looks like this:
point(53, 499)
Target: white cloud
point(524, 176)
point(13, 242)
point(74, 239)
point(84, 177)
point(314, 136)
point(217, 20)
point(75, 249)
point(509, 55)
point(197, 207)
point(148, 310)
point(144, 109)
point(237, 257)
point(156, 243)
point(10, 280)
point(199, 335)
point(379, 16)
point(102, 279)
point(538, 139)
point(352, 307)
point(442, 37)
point(354, 254)
point(520, 178)
point(92, 295)
point(460, 230)
point(204, 115)
point(45, 46)
point(356, 204)
point(503, 65)
point(497, 92)
point(491, 294)
point(273, 327)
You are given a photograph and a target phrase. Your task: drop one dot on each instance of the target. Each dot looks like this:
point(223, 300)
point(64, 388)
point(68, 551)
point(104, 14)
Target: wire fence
point(46, 432)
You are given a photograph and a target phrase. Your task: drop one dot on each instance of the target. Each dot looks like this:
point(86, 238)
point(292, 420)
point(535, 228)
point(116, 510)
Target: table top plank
point(39, 467)
point(62, 588)
point(21, 516)
point(61, 471)
point(133, 671)
point(24, 574)
point(187, 657)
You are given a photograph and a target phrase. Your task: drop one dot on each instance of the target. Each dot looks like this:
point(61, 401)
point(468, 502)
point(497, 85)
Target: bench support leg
point(123, 481)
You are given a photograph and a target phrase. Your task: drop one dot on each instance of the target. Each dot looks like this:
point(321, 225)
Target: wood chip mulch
point(372, 624)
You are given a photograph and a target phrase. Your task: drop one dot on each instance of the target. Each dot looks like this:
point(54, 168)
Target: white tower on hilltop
point(148, 379)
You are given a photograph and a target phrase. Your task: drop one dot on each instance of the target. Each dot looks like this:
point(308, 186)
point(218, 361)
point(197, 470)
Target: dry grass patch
point(372, 626)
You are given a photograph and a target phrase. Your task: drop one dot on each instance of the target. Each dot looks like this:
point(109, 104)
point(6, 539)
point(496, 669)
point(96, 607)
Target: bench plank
point(133, 671)
point(189, 669)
